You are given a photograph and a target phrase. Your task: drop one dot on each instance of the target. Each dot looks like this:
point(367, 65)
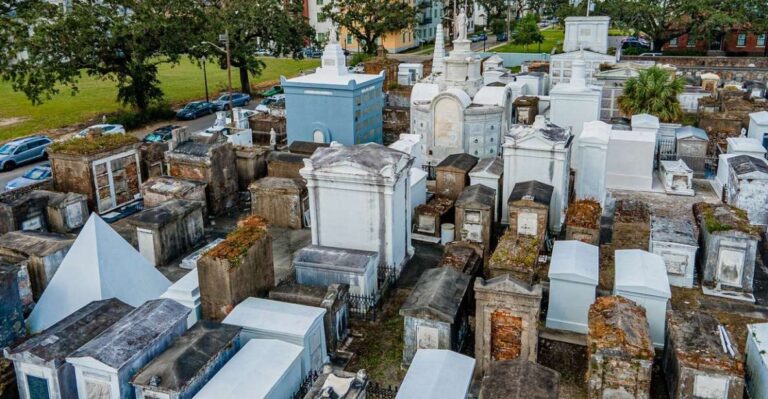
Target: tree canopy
point(370, 20)
point(527, 31)
point(653, 92)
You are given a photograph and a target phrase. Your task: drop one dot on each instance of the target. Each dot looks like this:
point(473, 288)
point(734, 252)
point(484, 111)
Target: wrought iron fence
point(306, 385)
point(431, 171)
point(703, 167)
point(377, 391)
point(368, 307)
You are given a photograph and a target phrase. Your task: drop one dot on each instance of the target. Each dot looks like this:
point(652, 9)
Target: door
point(146, 244)
point(116, 180)
point(37, 387)
point(22, 153)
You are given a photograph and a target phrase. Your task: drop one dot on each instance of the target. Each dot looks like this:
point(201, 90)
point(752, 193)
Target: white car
point(105, 128)
point(269, 102)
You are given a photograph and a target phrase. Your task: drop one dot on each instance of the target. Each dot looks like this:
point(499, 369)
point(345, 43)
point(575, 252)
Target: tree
point(369, 20)
point(653, 92)
point(664, 20)
point(527, 32)
point(277, 26)
point(494, 9)
point(119, 40)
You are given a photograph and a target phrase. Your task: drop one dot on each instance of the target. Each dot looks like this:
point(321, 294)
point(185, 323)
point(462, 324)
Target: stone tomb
point(285, 164)
point(591, 161)
point(280, 200)
point(429, 218)
point(516, 255)
point(573, 277)
point(160, 189)
point(475, 216)
point(42, 210)
point(630, 160)
point(745, 146)
point(506, 320)
point(642, 277)
point(758, 126)
point(489, 172)
point(757, 360)
point(694, 361)
point(619, 349)
point(464, 256)
point(453, 175)
point(677, 177)
point(436, 313)
point(168, 230)
point(747, 187)
point(582, 221)
point(529, 209)
point(691, 142)
point(674, 241)
point(322, 266)
point(42, 253)
point(729, 249)
point(520, 379)
point(186, 291)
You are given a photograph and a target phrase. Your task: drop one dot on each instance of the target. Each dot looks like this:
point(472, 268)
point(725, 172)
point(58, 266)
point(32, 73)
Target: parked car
point(271, 92)
point(195, 110)
point(502, 37)
point(262, 52)
point(479, 38)
point(359, 68)
point(270, 102)
point(105, 129)
point(238, 100)
point(17, 152)
point(34, 175)
point(160, 135)
point(313, 52)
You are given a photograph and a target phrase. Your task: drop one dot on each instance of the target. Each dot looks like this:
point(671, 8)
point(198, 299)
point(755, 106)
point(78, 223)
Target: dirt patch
point(11, 121)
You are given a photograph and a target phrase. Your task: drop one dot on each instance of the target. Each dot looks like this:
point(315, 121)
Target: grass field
point(552, 37)
point(18, 117)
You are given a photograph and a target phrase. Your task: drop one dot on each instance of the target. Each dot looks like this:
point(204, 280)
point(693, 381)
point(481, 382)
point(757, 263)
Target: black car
point(195, 110)
point(160, 135)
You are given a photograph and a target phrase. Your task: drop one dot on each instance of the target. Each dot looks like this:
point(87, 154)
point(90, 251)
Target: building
point(539, 152)
point(453, 111)
point(437, 374)
point(573, 277)
point(371, 182)
point(519, 379)
point(585, 37)
point(295, 324)
point(237, 268)
point(99, 265)
point(642, 277)
point(323, 266)
point(333, 104)
point(619, 350)
point(674, 241)
point(436, 312)
point(41, 252)
point(189, 362)
point(630, 159)
point(262, 369)
point(40, 362)
point(105, 365)
point(733, 42)
point(506, 320)
point(694, 361)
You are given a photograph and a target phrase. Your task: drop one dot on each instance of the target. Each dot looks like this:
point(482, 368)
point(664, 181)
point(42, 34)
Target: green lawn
point(183, 82)
point(552, 37)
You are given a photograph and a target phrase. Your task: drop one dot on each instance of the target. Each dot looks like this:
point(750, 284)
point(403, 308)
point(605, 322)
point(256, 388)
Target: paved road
point(194, 126)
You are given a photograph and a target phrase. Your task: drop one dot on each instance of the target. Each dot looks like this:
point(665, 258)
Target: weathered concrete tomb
point(475, 216)
point(528, 204)
point(453, 175)
point(517, 255)
point(573, 278)
point(506, 320)
point(429, 217)
point(674, 240)
point(695, 362)
point(285, 164)
point(160, 189)
point(463, 256)
point(519, 379)
point(251, 163)
point(620, 350)
point(42, 252)
point(436, 313)
point(339, 384)
point(237, 268)
point(489, 172)
point(280, 200)
point(631, 224)
point(323, 266)
point(40, 362)
point(168, 230)
point(189, 362)
point(582, 221)
point(41, 210)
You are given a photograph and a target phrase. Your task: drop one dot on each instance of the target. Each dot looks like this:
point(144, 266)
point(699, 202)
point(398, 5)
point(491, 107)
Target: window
point(319, 2)
point(349, 39)
point(691, 41)
point(761, 40)
point(321, 37)
point(673, 42)
point(741, 40)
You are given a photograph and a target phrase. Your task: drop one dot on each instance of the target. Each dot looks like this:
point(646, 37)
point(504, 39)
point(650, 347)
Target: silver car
point(27, 149)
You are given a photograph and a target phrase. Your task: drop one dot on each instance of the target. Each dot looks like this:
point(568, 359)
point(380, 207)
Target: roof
point(437, 374)
point(461, 95)
point(696, 339)
point(371, 157)
point(462, 162)
point(761, 118)
point(745, 165)
point(678, 231)
point(490, 95)
point(630, 135)
point(532, 190)
point(99, 265)
point(745, 145)
point(438, 295)
point(488, 166)
point(716, 218)
point(644, 121)
point(519, 379)
point(685, 132)
point(477, 196)
point(286, 157)
point(596, 132)
point(171, 185)
point(132, 335)
point(254, 371)
point(75, 330)
point(619, 327)
point(304, 147)
point(164, 213)
point(281, 184)
point(188, 357)
point(33, 243)
point(321, 78)
point(641, 272)
point(541, 127)
point(575, 261)
point(274, 316)
point(193, 148)
point(676, 166)
point(336, 258)
point(424, 92)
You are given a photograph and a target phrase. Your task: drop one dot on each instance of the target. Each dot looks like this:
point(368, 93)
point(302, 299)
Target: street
point(193, 125)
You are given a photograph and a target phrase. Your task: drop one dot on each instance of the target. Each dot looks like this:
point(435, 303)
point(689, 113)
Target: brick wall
point(506, 332)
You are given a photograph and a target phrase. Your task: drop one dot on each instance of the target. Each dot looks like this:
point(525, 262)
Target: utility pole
point(229, 73)
point(205, 79)
point(509, 20)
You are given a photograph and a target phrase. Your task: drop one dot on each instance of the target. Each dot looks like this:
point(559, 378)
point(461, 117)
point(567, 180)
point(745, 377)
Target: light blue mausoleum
point(333, 104)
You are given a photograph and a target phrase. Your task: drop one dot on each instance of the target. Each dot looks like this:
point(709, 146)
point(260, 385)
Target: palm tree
point(653, 92)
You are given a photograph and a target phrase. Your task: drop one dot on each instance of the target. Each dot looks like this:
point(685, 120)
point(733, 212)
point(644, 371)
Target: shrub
point(359, 57)
point(135, 119)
